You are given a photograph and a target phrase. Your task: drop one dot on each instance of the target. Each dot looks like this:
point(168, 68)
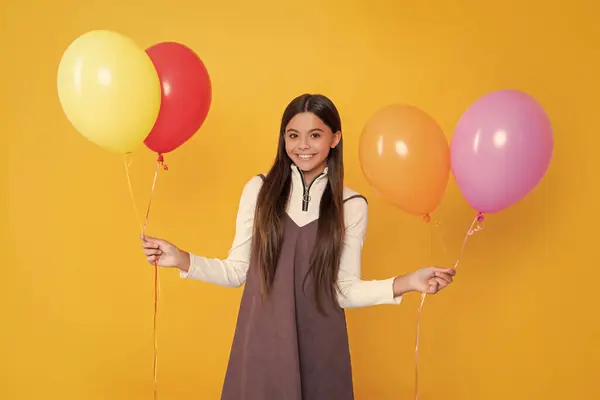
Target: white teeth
point(305, 156)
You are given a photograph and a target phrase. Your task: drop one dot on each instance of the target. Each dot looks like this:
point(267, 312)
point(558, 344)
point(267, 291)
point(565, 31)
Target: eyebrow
point(312, 130)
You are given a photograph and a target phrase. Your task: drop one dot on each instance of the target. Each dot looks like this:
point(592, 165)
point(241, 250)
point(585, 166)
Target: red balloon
point(186, 96)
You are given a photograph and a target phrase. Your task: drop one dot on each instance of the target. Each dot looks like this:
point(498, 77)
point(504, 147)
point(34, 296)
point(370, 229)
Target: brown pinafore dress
point(283, 347)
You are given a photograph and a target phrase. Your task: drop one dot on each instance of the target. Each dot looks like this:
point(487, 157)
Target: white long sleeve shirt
point(232, 271)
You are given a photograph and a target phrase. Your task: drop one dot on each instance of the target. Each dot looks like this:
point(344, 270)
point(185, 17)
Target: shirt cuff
point(390, 289)
point(190, 272)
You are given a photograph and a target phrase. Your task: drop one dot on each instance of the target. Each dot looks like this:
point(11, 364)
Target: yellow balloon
point(109, 90)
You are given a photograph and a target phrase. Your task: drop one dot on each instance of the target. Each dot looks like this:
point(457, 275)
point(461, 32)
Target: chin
point(308, 166)
point(305, 168)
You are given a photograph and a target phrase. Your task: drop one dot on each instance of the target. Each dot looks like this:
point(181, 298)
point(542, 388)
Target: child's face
point(308, 141)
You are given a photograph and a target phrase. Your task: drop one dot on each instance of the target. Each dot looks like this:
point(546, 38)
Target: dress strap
point(357, 196)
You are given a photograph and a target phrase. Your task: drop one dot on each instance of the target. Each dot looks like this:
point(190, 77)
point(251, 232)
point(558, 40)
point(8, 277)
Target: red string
point(159, 163)
point(476, 226)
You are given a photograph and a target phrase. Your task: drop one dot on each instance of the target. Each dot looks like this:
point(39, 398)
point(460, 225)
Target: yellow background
point(521, 321)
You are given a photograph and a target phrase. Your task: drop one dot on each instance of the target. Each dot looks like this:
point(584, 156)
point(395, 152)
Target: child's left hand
point(428, 280)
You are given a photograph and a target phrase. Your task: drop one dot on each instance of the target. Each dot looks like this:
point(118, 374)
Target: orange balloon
point(405, 157)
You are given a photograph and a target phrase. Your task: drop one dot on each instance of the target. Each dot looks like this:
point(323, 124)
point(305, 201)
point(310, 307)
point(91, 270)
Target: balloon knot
point(480, 217)
point(161, 161)
point(426, 218)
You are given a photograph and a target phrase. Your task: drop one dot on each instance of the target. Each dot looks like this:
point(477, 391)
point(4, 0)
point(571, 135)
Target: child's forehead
point(306, 122)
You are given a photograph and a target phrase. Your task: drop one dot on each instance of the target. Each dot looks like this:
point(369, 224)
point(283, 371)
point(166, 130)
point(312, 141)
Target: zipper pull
point(305, 200)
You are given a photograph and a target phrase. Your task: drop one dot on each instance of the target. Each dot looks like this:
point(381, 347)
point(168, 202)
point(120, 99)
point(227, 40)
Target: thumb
point(449, 271)
point(153, 240)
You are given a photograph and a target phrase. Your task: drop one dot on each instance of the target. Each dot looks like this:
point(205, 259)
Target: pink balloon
point(501, 149)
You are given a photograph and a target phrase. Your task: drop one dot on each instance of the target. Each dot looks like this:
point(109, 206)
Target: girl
point(297, 248)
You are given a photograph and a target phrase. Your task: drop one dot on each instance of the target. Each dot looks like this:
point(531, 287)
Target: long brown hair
point(273, 197)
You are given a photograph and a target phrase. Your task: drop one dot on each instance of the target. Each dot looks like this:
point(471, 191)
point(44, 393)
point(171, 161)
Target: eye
point(315, 135)
point(293, 135)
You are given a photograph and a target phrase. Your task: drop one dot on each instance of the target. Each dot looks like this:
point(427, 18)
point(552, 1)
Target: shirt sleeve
point(353, 291)
point(232, 271)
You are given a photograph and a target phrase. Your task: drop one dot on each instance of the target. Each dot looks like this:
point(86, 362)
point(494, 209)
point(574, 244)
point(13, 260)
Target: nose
point(303, 145)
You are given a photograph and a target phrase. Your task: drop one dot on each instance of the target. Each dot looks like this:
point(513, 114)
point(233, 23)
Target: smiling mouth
point(305, 156)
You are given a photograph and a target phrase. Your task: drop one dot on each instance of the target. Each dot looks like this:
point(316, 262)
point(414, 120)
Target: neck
point(309, 176)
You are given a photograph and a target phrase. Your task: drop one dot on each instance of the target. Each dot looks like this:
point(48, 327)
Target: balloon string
point(427, 219)
point(476, 226)
point(128, 161)
point(417, 347)
point(159, 163)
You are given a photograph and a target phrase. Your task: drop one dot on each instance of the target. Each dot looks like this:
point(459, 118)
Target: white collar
point(318, 181)
point(298, 172)
point(304, 193)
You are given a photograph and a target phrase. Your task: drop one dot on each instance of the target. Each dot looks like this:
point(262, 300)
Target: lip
point(305, 157)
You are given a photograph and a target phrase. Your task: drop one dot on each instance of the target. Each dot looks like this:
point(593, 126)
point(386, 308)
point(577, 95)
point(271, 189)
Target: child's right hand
point(165, 254)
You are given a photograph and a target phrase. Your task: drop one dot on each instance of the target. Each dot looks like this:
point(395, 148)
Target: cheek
point(288, 146)
point(323, 149)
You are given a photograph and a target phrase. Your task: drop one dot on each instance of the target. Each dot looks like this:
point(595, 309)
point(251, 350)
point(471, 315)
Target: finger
point(153, 240)
point(152, 259)
point(440, 282)
point(149, 245)
point(433, 289)
point(152, 252)
point(436, 284)
point(449, 271)
point(444, 276)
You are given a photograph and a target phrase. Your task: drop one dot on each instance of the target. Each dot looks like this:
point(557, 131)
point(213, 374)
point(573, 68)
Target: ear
point(336, 139)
